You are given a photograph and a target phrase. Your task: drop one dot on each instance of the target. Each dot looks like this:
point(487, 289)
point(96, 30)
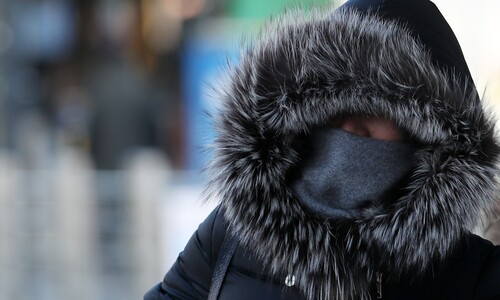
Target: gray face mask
point(345, 173)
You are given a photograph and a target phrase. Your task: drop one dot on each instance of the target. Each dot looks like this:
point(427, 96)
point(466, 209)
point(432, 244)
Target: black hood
point(423, 21)
point(309, 68)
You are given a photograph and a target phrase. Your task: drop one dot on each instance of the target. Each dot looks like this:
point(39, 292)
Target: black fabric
point(488, 284)
point(190, 276)
point(426, 23)
point(458, 277)
point(223, 261)
point(471, 273)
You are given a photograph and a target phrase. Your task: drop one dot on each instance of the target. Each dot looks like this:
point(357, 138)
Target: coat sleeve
point(191, 275)
point(488, 286)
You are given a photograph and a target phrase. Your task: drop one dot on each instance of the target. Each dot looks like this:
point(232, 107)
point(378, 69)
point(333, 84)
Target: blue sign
point(204, 60)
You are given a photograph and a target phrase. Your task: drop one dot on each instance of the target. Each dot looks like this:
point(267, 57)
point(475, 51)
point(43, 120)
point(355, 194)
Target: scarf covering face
point(345, 173)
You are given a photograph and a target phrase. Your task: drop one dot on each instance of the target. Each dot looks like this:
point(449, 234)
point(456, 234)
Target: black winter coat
point(471, 273)
point(396, 59)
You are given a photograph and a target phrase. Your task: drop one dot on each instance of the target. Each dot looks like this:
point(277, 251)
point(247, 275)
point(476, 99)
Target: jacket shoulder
point(191, 274)
point(488, 284)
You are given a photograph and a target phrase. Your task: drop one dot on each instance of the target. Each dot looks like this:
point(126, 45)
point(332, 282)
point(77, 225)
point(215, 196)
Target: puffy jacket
point(392, 58)
point(472, 272)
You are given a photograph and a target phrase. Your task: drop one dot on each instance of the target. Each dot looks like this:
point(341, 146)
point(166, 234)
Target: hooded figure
point(311, 211)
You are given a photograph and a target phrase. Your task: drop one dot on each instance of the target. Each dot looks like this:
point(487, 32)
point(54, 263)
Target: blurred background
point(103, 127)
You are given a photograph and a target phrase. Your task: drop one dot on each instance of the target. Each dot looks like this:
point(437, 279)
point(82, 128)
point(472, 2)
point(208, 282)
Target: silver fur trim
point(306, 69)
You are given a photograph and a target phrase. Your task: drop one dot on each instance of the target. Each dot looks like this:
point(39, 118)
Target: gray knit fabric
point(345, 173)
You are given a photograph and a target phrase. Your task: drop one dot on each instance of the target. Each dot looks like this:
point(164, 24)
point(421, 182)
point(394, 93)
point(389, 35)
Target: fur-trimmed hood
point(305, 70)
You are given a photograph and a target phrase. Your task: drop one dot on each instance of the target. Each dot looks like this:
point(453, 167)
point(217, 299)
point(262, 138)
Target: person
point(352, 159)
